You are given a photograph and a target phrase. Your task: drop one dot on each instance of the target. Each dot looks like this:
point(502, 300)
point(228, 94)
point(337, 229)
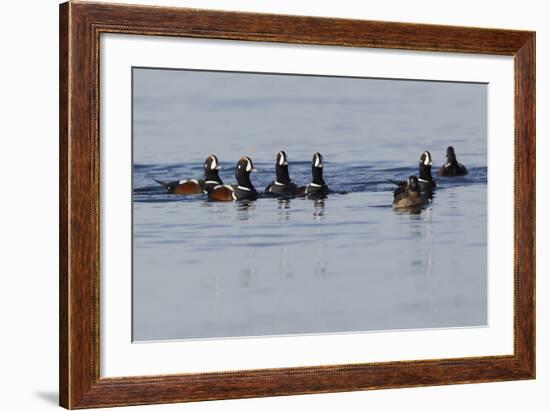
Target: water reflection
point(245, 209)
point(428, 195)
point(283, 209)
point(414, 210)
point(284, 206)
point(422, 230)
point(319, 209)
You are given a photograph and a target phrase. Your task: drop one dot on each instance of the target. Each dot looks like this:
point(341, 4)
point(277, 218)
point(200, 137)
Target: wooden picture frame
point(80, 27)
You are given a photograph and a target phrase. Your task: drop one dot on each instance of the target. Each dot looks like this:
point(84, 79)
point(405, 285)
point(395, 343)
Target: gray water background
point(347, 263)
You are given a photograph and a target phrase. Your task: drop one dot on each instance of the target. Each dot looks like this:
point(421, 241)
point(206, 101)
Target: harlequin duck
point(317, 188)
point(452, 167)
point(425, 179)
point(408, 196)
point(243, 190)
point(194, 186)
point(282, 186)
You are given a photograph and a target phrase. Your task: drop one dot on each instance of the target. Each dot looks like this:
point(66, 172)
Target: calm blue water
point(345, 263)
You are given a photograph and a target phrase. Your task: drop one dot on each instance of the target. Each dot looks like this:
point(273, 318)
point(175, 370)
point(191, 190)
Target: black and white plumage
point(197, 186)
point(243, 190)
point(282, 186)
point(317, 188)
point(425, 179)
point(452, 168)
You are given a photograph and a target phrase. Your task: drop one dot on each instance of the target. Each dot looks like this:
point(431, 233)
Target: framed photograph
point(259, 205)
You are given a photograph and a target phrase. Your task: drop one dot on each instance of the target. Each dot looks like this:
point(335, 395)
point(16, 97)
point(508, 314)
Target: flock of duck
point(413, 192)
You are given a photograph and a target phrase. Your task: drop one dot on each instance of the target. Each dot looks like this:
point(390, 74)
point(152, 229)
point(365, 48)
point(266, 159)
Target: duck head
point(242, 172)
point(281, 168)
point(451, 156)
point(425, 166)
point(211, 167)
point(317, 169)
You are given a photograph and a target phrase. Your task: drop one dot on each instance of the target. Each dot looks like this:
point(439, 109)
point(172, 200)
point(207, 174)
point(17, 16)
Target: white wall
point(28, 204)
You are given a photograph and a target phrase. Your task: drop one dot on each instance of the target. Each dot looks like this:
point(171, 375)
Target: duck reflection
point(428, 195)
point(283, 209)
point(413, 210)
point(319, 208)
point(245, 210)
point(422, 231)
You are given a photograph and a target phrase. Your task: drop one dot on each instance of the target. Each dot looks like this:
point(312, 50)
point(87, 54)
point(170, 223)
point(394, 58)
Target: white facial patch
point(427, 159)
point(248, 165)
point(214, 164)
point(281, 159)
point(318, 161)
